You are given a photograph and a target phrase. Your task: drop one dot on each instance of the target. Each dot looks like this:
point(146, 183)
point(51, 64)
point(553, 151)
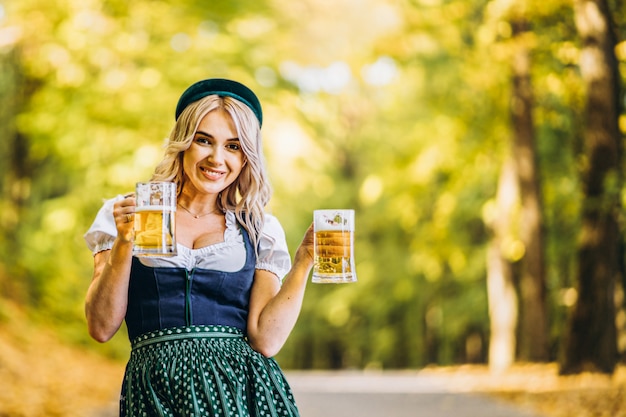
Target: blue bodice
point(160, 298)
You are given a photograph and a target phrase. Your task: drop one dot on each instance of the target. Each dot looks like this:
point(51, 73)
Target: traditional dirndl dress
point(190, 356)
point(202, 371)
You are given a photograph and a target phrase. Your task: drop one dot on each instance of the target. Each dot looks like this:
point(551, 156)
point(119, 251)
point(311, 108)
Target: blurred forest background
point(479, 142)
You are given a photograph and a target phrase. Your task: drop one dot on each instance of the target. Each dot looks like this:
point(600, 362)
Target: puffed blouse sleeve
point(272, 248)
point(102, 232)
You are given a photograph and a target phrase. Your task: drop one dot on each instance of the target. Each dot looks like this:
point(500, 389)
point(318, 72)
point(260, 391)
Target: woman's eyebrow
point(208, 135)
point(200, 132)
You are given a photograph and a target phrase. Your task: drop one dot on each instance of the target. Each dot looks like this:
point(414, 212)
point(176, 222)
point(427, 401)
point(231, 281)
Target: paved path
point(346, 394)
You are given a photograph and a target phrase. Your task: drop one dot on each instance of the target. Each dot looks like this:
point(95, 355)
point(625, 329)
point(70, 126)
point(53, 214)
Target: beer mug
point(155, 215)
point(333, 244)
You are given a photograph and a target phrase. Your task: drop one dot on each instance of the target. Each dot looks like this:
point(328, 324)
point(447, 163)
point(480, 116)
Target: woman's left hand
point(305, 250)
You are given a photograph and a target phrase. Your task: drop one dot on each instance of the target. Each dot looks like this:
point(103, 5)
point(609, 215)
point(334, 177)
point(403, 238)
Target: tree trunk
point(533, 326)
point(501, 291)
point(590, 343)
point(15, 173)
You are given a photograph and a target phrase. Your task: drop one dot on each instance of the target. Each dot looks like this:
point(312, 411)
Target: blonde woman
point(204, 324)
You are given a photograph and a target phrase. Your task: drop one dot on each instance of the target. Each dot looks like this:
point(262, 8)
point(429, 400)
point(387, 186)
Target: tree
point(503, 299)
point(590, 343)
point(533, 344)
point(515, 259)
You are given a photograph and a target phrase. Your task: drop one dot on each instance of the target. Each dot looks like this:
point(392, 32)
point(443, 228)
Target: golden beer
point(154, 231)
point(333, 246)
point(333, 252)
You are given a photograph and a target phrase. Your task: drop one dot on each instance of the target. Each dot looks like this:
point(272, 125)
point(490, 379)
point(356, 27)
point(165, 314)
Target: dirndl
point(200, 371)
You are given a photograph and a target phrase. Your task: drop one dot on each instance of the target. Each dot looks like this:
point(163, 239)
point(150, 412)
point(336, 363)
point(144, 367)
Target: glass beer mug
point(155, 215)
point(333, 246)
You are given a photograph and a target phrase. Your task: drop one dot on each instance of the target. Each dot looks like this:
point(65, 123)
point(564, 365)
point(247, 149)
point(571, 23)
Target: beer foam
point(334, 220)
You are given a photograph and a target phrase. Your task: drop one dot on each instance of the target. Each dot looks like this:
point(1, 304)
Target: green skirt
point(202, 371)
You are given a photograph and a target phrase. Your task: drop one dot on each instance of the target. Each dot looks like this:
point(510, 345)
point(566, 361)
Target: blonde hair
point(248, 195)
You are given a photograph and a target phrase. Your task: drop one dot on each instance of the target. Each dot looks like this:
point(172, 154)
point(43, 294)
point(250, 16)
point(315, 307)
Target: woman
point(205, 323)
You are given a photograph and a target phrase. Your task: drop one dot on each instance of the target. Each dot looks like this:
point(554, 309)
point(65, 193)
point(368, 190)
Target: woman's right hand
point(124, 214)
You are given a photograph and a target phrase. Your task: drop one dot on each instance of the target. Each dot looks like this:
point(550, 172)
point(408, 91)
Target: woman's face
point(215, 157)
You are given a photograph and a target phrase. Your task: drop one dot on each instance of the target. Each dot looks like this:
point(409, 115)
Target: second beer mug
point(333, 246)
point(155, 214)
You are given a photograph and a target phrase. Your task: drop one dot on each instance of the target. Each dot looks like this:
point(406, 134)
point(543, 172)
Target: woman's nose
point(216, 155)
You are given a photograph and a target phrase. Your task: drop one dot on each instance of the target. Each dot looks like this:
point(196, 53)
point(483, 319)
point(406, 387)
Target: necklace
point(197, 216)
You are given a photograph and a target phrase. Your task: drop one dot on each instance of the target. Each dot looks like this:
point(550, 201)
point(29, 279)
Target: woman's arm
point(107, 296)
point(274, 309)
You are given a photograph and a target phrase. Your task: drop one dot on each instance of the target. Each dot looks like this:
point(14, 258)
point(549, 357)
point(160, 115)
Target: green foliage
point(398, 109)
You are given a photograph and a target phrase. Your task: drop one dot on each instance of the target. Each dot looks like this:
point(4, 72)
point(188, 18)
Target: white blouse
point(227, 256)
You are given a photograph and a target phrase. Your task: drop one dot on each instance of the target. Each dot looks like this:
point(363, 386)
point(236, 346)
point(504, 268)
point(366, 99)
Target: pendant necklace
point(197, 216)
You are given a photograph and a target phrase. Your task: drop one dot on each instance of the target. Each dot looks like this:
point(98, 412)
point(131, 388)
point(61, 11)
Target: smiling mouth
point(211, 174)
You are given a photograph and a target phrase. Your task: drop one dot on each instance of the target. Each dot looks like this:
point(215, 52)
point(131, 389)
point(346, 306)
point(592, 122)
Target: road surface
point(389, 394)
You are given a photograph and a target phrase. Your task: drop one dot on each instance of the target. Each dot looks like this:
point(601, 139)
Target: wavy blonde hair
point(248, 195)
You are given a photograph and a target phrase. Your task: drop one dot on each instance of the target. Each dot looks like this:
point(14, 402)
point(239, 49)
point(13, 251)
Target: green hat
point(221, 87)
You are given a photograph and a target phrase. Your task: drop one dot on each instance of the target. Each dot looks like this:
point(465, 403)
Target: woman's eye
point(202, 140)
point(233, 146)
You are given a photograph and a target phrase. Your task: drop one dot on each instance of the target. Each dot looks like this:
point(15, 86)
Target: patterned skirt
point(202, 371)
